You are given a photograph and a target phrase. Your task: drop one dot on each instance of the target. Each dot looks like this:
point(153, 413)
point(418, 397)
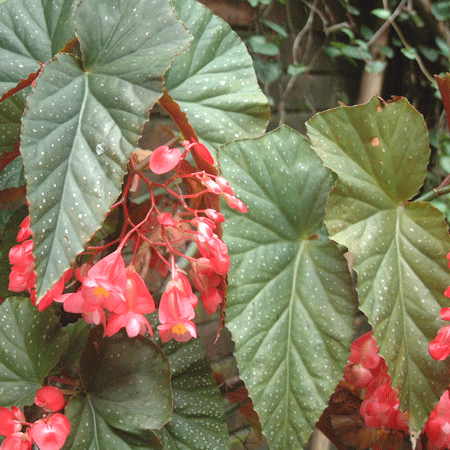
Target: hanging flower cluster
point(115, 295)
point(22, 276)
point(439, 348)
point(49, 432)
point(367, 370)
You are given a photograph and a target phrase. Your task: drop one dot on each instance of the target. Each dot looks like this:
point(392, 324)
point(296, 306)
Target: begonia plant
point(111, 251)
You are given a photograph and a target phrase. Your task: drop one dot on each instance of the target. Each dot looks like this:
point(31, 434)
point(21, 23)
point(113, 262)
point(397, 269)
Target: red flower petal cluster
point(437, 426)
point(439, 348)
point(49, 433)
point(367, 370)
point(22, 276)
point(121, 292)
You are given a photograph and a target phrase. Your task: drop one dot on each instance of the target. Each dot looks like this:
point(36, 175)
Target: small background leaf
point(290, 300)
point(214, 81)
point(380, 153)
point(31, 343)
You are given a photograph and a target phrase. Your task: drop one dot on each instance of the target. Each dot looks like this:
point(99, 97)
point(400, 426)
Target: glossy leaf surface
point(198, 421)
point(127, 381)
point(214, 82)
point(32, 32)
point(31, 343)
point(290, 300)
point(75, 152)
point(380, 153)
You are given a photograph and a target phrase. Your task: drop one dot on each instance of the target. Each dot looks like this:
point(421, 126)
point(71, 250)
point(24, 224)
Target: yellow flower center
point(179, 329)
point(100, 292)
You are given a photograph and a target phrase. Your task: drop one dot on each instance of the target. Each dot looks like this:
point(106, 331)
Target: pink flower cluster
point(437, 426)
point(22, 276)
point(120, 291)
point(368, 370)
point(115, 295)
point(49, 433)
point(439, 348)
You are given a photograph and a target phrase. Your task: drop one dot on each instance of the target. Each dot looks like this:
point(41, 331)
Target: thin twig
point(291, 82)
point(416, 55)
point(388, 22)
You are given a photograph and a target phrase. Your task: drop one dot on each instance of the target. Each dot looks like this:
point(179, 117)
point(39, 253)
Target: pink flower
point(25, 230)
point(164, 159)
point(130, 314)
point(50, 433)
point(176, 310)
point(18, 441)
point(201, 150)
point(50, 398)
point(212, 248)
point(211, 300)
point(22, 276)
point(381, 410)
point(11, 420)
point(103, 286)
point(437, 426)
point(440, 348)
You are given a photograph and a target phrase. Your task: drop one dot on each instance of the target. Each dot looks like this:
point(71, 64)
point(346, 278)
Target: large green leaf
point(11, 111)
point(127, 381)
point(290, 299)
point(198, 421)
point(32, 31)
point(214, 82)
point(31, 343)
point(90, 431)
point(84, 119)
point(380, 153)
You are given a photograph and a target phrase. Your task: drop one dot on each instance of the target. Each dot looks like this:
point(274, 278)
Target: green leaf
point(127, 381)
point(198, 421)
point(84, 119)
point(375, 66)
point(12, 176)
point(31, 343)
point(275, 27)
point(11, 111)
point(388, 51)
point(293, 70)
point(214, 81)
point(78, 333)
point(380, 153)
point(290, 299)
point(261, 45)
point(32, 31)
point(410, 53)
point(441, 10)
point(430, 53)
point(90, 431)
point(267, 71)
point(381, 13)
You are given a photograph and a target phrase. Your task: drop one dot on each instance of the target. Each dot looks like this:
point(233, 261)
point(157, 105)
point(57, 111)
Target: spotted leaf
point(84, 118)
point(214, 82)
point(290, 299)
point(380, 153)
point(31, 343)
point(127, 381)
point(198, 421)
